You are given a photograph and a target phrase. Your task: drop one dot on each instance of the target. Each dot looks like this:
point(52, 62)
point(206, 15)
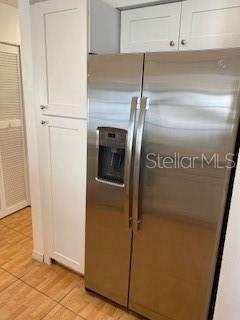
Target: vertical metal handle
point(137, 164)
point(128, 160)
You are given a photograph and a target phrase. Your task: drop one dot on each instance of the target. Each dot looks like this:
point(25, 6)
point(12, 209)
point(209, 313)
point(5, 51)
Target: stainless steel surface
point(184, 42)
point(172, 43)
point(128, 163)
point(110, 183)
point(194, 109)
point(137, 164)
point(170, 257)
point(113, 81)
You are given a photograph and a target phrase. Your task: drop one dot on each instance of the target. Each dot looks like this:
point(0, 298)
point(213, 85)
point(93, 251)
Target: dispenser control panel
point(111, 155)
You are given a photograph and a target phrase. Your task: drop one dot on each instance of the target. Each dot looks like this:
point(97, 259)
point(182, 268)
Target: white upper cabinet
point(60, 47)
point(210, 24)
point(135, 3)
point(153, 28)
point(189, 25)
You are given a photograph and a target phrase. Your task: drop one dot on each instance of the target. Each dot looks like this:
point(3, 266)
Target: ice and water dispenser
point(111, 155)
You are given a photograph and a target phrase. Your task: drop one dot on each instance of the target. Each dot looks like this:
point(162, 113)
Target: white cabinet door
point(60, 56)
point(153, 28)
point(63, 161)
point(209, 24)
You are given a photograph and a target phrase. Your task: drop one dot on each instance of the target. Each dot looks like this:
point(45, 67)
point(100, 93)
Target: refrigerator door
point(193, 112)
point(114, 85)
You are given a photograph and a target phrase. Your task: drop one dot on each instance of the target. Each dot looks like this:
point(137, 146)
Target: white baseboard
point(7, 211)
point(47, 260)
point(37, 256)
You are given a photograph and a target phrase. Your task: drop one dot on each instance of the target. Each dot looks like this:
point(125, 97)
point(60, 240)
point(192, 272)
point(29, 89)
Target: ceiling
point(12, 3)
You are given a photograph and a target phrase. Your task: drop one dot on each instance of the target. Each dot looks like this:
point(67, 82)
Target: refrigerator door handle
point(137, 163)
point(128, 163)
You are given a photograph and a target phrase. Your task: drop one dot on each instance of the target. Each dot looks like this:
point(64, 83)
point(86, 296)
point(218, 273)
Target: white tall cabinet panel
point(210, 24)
point(13, 161)
point(60, 56)
point(64, 180)
point(153, 28)
point(62, 34)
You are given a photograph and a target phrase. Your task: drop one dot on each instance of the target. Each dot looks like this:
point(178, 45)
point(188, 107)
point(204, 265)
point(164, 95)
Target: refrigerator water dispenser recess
point(111, 155)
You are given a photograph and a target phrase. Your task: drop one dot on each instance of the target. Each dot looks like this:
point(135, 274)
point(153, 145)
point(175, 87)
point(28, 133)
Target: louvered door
point(13, 166)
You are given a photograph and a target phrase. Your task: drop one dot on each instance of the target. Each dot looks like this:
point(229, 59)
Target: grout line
point(49, 312)
point(60, 303)
point(66, 307)
point(29, 285)
point(77, 314)
point(12, 274)
point(11, 228)
point(20, 279)
point(66, 294)
point(15, 280)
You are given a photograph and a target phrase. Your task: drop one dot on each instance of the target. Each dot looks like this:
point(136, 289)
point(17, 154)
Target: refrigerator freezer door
point(193, 112)
point(113, 82)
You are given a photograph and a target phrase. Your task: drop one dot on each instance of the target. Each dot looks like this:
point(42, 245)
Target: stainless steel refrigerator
point(154, 219)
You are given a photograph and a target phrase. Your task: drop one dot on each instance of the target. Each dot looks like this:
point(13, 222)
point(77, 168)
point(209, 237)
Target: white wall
point(228, 297)
point(31, 127)
point(9, 24)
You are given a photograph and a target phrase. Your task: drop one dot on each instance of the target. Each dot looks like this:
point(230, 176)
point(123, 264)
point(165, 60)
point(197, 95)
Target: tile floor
point(32, 290)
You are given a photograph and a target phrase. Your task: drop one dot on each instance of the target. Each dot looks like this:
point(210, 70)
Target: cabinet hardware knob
point(43, 122)
point(43, 107)
point(183, 42)
point(172, 43)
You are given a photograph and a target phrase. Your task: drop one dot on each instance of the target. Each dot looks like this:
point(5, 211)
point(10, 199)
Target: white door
point(60, 56)
point(63, 158)
point(13, 160)
point(210, 24)
point(153, 28)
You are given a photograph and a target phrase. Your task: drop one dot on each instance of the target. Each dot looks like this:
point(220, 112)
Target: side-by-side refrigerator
point(162, 131)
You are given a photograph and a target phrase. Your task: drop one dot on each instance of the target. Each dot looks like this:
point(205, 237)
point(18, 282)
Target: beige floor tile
point(21, 302)
point(61, 313)
point(17, 258)
point(8, 238)
point(128, 316)
point(20, 221)
point(55, 280)
point(6, 279)
point(20, 216)
point(90, 307)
